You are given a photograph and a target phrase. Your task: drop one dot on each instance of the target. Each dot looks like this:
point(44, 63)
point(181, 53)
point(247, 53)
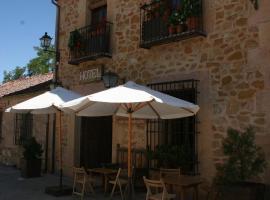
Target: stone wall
point(232, 64)
point(10, 154)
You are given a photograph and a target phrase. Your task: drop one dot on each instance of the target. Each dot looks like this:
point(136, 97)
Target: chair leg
point(114, 186)
point(91, 188)
point(120, 188)
point(83, 190)
point(74, 184)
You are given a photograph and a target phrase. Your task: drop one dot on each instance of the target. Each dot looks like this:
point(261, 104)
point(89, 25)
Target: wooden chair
point(156, 190)
point(119, 181)
point(164, 172)
point(169, 172)
point(81, 181)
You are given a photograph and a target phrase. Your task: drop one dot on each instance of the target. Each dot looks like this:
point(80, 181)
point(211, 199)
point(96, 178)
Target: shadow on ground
point(13, 187)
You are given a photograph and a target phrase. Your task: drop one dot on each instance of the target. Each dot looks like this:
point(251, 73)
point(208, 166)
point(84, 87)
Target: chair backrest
point(153, 186)
point(118, 174)
point(79, 171)
point(169, 172)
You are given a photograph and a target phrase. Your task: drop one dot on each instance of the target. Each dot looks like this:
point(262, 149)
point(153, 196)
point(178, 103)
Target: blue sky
point(22, 23)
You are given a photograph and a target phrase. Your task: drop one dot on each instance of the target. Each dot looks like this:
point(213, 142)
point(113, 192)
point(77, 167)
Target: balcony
point(163, 22)
point(89, 43)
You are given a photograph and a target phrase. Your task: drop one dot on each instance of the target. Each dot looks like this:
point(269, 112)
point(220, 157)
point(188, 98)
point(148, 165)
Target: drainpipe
point(57, 56)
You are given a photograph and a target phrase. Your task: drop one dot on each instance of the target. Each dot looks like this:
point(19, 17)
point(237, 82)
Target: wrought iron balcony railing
point(163, 21)
point(90, 43)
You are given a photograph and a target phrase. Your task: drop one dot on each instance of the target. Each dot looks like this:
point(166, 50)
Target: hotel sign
point(91, 75)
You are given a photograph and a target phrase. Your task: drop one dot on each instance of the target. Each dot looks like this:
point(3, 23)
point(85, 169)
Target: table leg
point(105, 183)
point(196, 188)
point(182, 193)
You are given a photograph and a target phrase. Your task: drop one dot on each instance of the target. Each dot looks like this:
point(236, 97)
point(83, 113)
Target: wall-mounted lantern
point(110, 79)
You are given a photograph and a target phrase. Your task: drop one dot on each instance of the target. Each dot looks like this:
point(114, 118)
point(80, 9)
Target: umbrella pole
point(60, 151)
point(129, 188)
point(60, 190)
point(129, 143)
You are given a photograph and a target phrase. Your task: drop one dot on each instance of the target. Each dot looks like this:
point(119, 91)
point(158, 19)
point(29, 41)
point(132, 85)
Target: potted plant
point(75, 40)
point(192, 10)
point(31, 161)
point(172, 23)
point(176, 22)
point(245, 160)
point(170, 156)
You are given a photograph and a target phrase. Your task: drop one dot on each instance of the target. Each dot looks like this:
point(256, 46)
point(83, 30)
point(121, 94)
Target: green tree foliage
point(18, 72)
point(245, 159)
point(43, 63)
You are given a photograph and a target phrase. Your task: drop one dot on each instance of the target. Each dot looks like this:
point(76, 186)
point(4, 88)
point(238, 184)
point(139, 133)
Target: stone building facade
point(231, 63)
point(12, 93)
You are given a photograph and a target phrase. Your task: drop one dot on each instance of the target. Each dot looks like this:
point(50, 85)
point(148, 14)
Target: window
point(23, 128)
point(182, 132)
point(99, 15)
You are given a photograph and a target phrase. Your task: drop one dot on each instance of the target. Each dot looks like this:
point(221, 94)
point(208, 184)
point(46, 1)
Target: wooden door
point(96, 141)
point(99, 15)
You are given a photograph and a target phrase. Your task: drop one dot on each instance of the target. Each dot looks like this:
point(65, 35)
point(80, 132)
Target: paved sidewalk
point(13, 187)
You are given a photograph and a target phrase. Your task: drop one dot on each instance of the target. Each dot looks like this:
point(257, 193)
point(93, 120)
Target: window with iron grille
point(166, 21)
point(23, 128)
point(182, 132)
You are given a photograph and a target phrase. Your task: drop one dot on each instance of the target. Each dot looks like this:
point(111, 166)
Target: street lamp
point(45, 44)
point(45, 41)
point(110, 79)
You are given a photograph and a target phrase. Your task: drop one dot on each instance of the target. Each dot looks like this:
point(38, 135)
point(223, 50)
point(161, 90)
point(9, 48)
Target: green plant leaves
point(245, 159)
point(32, 149)
point(172, 156)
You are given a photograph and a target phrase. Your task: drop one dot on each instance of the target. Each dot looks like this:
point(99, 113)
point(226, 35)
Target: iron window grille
point(166, 21)
point(179, 132)
point(90, 43)
point(23, 128)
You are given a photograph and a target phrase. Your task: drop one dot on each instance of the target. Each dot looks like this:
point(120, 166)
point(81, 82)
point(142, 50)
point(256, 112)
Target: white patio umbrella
point(133, 101)
point(47, 103)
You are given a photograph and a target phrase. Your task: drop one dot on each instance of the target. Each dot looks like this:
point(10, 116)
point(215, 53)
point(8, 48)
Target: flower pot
point(192, 23)
point(30, 168)
point(179, 28)
point(242, 191)
point(171, 30)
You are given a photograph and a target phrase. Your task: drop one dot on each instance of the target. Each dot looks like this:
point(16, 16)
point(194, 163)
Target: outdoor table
point(105, 172)
point(184, 182)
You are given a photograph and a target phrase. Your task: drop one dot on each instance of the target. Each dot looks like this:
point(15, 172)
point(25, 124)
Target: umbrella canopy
point(45, 103)
point(144, 103)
